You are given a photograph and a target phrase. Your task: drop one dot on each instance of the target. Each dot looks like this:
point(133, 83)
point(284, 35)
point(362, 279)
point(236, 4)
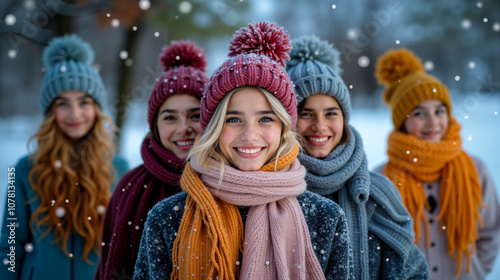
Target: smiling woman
point(245, 206)
point(63, 188)
point(75, 113)
point(450, 194)
point(174, 122)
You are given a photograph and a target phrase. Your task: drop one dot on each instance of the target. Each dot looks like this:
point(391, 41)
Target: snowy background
point(458, 41)
point(480, 131)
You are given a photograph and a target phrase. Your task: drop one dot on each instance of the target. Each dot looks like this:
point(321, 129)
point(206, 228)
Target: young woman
point(174, 121)
point(379, 226)
point(244, 212)
point(62, 189)
point(449, 194)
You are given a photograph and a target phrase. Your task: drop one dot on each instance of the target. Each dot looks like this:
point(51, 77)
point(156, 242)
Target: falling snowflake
point(363, 61)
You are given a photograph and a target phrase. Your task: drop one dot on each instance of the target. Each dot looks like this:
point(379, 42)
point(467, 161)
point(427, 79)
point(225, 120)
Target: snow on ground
point(479, 115)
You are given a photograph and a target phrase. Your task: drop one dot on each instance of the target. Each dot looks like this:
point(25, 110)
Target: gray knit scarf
point(345, 172)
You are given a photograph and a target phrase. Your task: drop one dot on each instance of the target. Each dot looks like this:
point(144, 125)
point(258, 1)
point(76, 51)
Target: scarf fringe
point(412, 161)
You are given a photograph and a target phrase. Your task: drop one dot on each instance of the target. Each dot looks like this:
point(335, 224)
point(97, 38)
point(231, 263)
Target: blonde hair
point(76, 178)
point(207, 145)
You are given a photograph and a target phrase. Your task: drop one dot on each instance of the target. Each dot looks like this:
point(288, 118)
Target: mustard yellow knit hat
point(407, 84)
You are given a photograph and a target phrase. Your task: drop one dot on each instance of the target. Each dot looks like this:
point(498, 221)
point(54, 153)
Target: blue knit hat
point(314, 67)
point(68, 60)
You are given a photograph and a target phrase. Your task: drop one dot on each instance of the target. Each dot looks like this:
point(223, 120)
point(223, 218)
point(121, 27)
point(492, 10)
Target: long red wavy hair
point(76, 177)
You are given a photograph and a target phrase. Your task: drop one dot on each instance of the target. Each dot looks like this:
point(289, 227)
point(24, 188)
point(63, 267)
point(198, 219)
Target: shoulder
point(120, 164)
point(170, 209)
point(480, 165)
point(315, 205)
point(23, 166)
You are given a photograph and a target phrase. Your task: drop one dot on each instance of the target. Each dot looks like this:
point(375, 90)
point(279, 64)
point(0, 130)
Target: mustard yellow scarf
point(412, 161)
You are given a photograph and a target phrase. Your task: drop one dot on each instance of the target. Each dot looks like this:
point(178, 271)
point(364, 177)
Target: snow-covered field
point(479, 115)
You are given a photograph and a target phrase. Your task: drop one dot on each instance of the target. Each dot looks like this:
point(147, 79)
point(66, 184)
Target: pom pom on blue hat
point(68, 60)
point(314, 68)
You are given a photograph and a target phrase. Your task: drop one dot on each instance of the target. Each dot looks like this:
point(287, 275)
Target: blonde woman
point(244, 212)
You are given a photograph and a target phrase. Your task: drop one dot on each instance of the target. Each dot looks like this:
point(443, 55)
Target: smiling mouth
point(318, 139)
point(249, 151)
point(184, 143)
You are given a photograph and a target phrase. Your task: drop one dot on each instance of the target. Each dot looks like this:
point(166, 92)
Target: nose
point(318, 124)
point(250, 133)
point(432, 119)
point(184, 127)
point(75, 110)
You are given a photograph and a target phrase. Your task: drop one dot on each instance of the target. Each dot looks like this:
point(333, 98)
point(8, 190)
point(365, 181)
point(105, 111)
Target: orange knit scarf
point(412, 161)
point(212, 230)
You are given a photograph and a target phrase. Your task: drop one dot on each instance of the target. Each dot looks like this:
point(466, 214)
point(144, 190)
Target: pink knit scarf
point(277, 242)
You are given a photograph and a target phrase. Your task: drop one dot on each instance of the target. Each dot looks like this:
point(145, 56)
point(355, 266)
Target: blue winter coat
point(37, 258)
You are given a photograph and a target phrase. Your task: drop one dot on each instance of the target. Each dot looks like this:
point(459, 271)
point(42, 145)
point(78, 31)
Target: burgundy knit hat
point(184, 65)
point(258, 55)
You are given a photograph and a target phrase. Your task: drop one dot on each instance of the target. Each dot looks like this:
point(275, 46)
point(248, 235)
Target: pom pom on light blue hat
point(314, 67)
point(68, 60)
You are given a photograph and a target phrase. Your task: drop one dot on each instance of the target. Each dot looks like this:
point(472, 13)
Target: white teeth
point(318, 139)
point(249, 151)
point(185, 143)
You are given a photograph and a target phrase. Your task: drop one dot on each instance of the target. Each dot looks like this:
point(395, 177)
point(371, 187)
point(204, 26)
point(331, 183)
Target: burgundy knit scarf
point(142, 188)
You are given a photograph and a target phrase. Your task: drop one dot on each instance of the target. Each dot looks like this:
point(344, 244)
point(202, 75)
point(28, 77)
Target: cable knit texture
point(343, 176)
point(137, 192)
point(184, 67)
point(276, 220)
point(259, 63)
point(412, 160)
point(315, 68)
point(68, 61)
point(407, 84)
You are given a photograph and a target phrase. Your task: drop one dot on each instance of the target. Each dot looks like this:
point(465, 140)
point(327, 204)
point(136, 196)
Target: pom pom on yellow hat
point(407, 84)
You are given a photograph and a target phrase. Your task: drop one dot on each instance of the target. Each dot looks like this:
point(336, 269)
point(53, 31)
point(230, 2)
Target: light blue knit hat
point(314, 67)
point(68, 60)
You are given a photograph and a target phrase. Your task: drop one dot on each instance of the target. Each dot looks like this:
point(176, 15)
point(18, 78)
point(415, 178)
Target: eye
point(232, 120)
point(417, 114)
point(87, 101)
point(305, 115)
point(267, 119)
point(441, 111)
point(195, 117)
point(331, 114)
point(169, 118)
point(61, 103)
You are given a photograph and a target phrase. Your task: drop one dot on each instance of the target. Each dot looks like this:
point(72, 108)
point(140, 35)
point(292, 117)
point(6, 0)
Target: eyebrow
point(67, 99)
point(326, 109)
point(435, 107)
point(177, 111)
point(258, 113)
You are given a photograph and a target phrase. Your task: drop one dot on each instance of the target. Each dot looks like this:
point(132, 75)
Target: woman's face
point(251, 133)
point(428, 121)
point(178, 123)
point(321, 124)
point(75, 113)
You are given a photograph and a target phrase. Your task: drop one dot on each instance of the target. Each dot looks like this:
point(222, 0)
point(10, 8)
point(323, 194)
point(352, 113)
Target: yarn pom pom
point(312, 48)
point(67, 47)
point(395, 64)
point(183, 53)
point(262, 38)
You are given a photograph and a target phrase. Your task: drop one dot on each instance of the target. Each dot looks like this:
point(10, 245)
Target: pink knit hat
point(258, 55)
point(184, 65)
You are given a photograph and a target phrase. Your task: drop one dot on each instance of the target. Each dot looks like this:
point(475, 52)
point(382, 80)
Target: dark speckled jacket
point(325, 219)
